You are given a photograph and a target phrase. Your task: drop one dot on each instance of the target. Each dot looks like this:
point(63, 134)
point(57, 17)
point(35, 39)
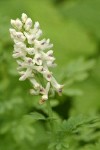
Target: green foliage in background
point(74, 28)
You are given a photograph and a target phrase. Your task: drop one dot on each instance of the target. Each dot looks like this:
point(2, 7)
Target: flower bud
point(57, 86)
point(24, 17)
point(12, 33)
point(50, 53)
point(19, 37)
point(51, 64)
point(17, 55)
point(45, 97)
point(30, 37)
point(37, 59)
point(30, 51)
point(18, 24)
point(28, 24)
point(38, 34)
point(13, 23)
point(27, 73)
point(36, 25)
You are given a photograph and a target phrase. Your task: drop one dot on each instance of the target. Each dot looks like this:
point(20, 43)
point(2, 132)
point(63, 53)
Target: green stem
point(51, 120)
point(50, 113)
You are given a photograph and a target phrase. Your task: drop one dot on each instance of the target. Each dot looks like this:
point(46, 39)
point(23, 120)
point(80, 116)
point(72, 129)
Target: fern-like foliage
point(77, 132)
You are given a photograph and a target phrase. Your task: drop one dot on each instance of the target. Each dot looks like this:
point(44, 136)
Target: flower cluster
point(33, 58)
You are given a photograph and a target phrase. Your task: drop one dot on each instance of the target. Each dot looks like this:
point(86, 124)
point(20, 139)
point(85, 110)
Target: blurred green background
point(74, 28)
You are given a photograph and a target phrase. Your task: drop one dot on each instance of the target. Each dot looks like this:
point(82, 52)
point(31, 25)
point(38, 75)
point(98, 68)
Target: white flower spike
point(32, 58)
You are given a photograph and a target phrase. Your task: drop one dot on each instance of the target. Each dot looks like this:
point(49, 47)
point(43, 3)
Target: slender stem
point(52, 125)
point(50, 113)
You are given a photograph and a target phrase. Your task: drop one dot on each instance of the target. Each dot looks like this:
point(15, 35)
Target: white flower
point(18, 54)
point(12, 33)
point(30, 37)
point(33, 35)
point(24, 18)
point(51, 64)
point(17, 36)
point(20, 45)
point(45, 94)
point(19, 50)
point(43, 44)
point(38, 59)
point(38, 68)
point(32, 57)
point(47, 75)
point(38, 34)
point(16, 24)
point(56, 86)
point(26, 74)
point(30, 51)
point(28, 24)
point(36, 25)
point(35, 84)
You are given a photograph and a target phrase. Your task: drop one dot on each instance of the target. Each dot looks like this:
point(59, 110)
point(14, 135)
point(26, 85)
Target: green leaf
point(37, 116)
point(75, 122)
point(79, 67)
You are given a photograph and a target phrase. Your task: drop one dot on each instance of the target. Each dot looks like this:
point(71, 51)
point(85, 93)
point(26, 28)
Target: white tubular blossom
point(36, 25)
point(24, 18)
point(26, 74)
point(30, 51)
point(32, 57)
point(35, 84)
point(28, 24)
point(16, 24)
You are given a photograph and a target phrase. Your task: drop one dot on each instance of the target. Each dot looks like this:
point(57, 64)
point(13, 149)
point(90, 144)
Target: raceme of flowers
point(34, 57)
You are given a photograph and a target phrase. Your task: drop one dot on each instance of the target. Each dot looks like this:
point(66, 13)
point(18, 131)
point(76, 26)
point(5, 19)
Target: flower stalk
point(50, 113)
point(34, 57)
